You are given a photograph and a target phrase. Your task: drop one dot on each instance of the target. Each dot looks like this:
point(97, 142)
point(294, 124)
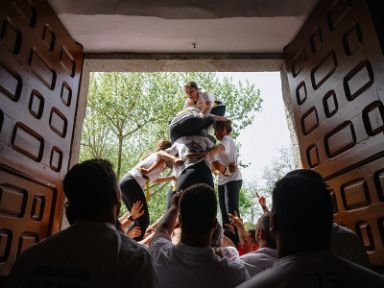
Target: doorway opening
point(124, 135)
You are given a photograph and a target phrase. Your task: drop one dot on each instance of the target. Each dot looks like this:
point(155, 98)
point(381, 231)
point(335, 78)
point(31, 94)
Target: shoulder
point(271, 277)
point(207, 96)
point(234, 269)
point(228, 142)
point(158, 244)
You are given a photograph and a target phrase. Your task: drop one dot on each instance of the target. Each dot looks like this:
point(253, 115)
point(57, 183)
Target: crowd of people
point(294, 244)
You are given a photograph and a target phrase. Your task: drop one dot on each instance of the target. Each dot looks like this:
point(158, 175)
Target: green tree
point(128, 113)
point(279, 166)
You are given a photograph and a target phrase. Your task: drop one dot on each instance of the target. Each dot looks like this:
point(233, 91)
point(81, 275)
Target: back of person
point(301, 220)
point(87, 254)
point(189, 267)
point(319, 269)
point(91, 252)
point(266, 255)
point(259, 260)
point(192, 262)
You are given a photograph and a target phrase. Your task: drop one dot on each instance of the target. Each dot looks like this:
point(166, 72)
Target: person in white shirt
point(133, 184)
point(264, 257)
point(196, 168)
point(301, 222)
point(202, 100)
point(91, 252)
point(224, 158)
point(192, 262)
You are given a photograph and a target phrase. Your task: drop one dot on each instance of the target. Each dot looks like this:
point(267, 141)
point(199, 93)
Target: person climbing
point(133, 183)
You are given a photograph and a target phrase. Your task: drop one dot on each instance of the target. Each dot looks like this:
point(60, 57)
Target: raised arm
point(162, 158)
point(164, 179)
point(262, 203)
point(168, 157)
point(129, 217)
point(168, 222)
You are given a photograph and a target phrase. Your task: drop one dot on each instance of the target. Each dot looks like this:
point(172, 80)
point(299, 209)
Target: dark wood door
point(336, 76)
point(40, 68)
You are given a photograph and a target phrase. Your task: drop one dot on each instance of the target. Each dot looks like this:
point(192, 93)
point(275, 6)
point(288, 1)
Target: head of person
point(222, 128)
point(92, 192)
point(163, 145)
point(301, 216)
point(192, 91)
point(262, 232)
point(198, 210)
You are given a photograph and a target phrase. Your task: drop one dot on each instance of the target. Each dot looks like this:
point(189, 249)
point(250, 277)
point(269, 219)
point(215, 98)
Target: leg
point(232, 190)
point(222, 204)
point(132, 192)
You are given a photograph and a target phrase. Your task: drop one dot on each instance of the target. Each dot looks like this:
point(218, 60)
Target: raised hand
point(178, 162)
point(136, 210)
point(143, 170)
point(230, 227)
point(232, 167)
point(135, 232)
point(236, 220)
point(262, 202)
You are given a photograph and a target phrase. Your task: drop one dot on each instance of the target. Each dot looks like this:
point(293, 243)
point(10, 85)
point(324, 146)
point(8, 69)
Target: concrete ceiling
point(172, 26)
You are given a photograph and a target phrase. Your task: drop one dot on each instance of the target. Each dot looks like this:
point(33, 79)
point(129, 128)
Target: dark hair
point(91, 187)
point(163, 144)
point(263, 224)
point(192, 84)
point(71, 213)
point(304, 211)
point(198, 209)
point(306, 173)
point(223, 124)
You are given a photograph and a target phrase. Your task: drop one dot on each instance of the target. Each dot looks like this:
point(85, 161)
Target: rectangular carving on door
point(40, 68)
point(335, 71)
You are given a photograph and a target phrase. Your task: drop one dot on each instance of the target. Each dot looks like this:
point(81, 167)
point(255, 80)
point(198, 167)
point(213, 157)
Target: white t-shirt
point(146, 163)
point(227, 157)
point(259, 260)
point(204, 97)
point(86, 254)
point(187, 145)
point(190, 267)
point(345, 243)
point(318, 269)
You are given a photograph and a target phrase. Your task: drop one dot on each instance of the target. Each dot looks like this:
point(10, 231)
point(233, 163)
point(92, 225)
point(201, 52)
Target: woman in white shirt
point(133, 184)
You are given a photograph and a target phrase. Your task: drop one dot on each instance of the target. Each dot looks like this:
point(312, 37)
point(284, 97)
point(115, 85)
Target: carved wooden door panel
point(336, 77)
point(40, 68)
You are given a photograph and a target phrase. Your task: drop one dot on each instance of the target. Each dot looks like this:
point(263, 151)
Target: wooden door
point(40, 68)
point(336, 76)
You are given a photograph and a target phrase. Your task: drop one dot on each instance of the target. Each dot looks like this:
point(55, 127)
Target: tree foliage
point(278, 167)
point(128, 113)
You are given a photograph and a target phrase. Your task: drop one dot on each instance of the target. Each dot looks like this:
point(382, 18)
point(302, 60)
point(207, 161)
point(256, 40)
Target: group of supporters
point(295, 244)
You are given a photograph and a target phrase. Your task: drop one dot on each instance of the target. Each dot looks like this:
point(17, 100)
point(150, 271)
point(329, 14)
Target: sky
point(261, 140)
